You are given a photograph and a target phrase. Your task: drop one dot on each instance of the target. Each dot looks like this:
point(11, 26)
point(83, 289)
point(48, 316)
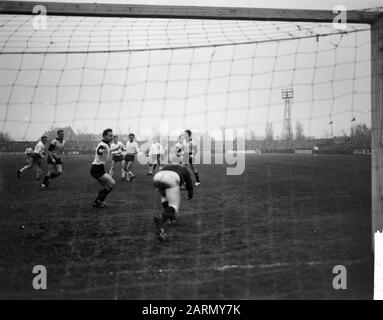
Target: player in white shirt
point(190, 148)
point(97, 169)
point(34, 157)
point(55, 152)
point(155, 154)
point(315, 150)
point(131, 151)
point(116, 149)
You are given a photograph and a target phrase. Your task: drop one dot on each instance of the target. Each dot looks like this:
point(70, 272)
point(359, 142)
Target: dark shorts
point(97, 170)
point(190, 158)
point(58, 161)
point(36, 158)
point(129, 157)
point(118, 158)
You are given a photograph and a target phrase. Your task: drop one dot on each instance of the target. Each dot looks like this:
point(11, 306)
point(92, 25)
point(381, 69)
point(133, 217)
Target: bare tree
point(5, 137)
point(361, 136)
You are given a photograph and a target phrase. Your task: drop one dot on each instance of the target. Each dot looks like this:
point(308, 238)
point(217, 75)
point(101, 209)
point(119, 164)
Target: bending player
point(131, 152)
point(169, 182)
point(116, 148)
point(97, 169)
point(55, 151)
point(35, 158)
point(190, 148)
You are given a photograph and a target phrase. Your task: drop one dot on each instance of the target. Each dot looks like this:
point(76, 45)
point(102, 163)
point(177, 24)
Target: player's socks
point(45, 182)
point(196, 174)
point(103, 193)
point(18, 173)
point(99, 204)
point(169, 214)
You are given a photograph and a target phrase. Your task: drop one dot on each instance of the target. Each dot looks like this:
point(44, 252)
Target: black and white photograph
point(194, 150)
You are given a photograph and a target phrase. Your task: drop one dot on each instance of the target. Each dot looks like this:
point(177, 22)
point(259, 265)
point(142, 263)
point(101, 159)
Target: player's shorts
point(97, 170)
point(155, 159)
point(129, 157)
point(190, 158)
point(58, 161)
point(166, 179)
point(117, 157)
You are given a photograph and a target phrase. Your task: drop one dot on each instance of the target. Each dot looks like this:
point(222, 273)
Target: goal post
point(373, 18)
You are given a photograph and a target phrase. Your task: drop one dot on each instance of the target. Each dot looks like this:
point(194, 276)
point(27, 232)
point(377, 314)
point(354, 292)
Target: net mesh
point(202, 74)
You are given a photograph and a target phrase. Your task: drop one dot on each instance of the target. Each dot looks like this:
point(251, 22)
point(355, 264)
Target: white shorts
point(168, 183)
point(166, 179)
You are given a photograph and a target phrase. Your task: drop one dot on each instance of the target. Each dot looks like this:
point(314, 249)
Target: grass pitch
point(276, 232)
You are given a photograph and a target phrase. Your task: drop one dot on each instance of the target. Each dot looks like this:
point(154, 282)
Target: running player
point(190, 148)
point(97, 169)
point(116, 149)
point(169, 182)
point(35, 158)
point(55, 152)
point(131, 151)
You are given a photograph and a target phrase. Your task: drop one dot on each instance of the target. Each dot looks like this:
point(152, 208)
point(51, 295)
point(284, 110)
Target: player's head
point(115, 138)
point(188, 134)
point(60, 134)
point(131, 137)
point(44, 139)
point(107, 135)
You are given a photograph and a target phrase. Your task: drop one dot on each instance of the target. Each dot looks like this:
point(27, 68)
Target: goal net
point(131, 74)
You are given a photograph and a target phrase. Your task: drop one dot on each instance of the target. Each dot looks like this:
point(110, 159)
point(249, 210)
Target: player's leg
point(173, 196)
point(111, 171)
point(195, 172)
point(123, 169)
point(107, 184)
point(130, 174)
point(39, 169)
point(55, 170)
point(151, 165)
point(26, 167)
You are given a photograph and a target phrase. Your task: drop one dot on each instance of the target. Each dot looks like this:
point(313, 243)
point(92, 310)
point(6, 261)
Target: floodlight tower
point(287, 95)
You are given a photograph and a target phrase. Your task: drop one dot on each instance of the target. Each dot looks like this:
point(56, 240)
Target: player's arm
point(100, 150)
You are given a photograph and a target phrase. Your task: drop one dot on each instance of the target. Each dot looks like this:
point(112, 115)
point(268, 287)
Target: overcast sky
point(204, 88)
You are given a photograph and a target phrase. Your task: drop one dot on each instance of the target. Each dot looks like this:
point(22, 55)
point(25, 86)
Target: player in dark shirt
point(169, 182)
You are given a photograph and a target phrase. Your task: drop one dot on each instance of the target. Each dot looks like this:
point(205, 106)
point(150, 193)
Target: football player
point(116, 149)
point(55, 152)
point(34, 157)
point(169, 182)
point(97, 169)
point(190, 148)
point(131, 151)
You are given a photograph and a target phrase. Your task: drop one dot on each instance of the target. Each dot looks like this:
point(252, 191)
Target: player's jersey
point(102, 153)
point(179, 149)
point(132, 147)
point(39, 148)
point(117, 148)
point(190, 146)
point(28, 152)
point(56, 148)
point(155, 148)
